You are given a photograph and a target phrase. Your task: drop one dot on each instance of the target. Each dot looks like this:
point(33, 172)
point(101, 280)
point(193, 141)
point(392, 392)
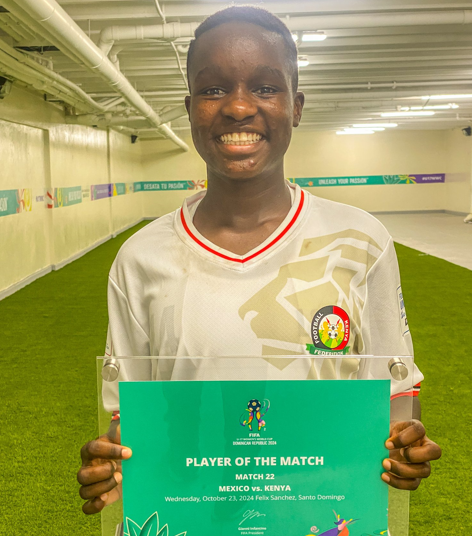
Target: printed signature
point(251, 514)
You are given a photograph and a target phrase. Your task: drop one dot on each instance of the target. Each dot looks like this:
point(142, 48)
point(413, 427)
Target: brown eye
point(266, 90)
point(214, 91)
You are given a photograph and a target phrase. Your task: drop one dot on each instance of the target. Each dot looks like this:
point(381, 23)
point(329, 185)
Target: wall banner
point(369, 180)
point(15, 201)
point(101, 191)
point(169, 185)
point(119, 188)
point(65, 197)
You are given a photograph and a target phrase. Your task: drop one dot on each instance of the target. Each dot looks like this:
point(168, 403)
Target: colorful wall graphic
point(65, 197)
point(369, 180)
point(119, 188)
point(16, 201)
point(101, 191)
point(169, 185)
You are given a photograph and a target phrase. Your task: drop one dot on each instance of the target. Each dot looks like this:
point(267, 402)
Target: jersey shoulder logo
point(403, 319)
point(330, 331)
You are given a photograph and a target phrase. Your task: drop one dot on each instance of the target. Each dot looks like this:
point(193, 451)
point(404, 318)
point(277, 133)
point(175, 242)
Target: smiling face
point(242, 106)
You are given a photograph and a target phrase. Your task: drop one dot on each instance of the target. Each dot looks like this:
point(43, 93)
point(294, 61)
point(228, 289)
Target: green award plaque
point(258, 457)
point(250, 446)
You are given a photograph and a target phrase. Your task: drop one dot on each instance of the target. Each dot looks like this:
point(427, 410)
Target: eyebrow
point(210, 69)
point(259, 70)
point(266, 69)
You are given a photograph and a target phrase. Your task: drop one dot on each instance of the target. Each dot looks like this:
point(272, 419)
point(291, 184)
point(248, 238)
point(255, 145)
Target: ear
point(187, 105)
point(298, 107)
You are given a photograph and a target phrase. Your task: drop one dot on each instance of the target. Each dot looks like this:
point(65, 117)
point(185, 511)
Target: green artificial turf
point(438, 299)
point(53, 329)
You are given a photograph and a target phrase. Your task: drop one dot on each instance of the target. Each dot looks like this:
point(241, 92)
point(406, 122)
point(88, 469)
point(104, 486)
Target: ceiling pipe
point(170, 31)
point(159, 10)
point(389, 85)
point(28, 21)
point(10, 29)
point(61, 26)
point(173, 30)
point(369, 95)
point(174, 113)
point(108, 119)
point(66, 85)
point(101, 120)
point(13, 70)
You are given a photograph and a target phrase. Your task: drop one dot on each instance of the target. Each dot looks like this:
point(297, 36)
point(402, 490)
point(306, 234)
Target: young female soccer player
point(254, 265)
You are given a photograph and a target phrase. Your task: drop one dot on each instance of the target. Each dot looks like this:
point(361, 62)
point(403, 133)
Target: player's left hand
point(411, 450)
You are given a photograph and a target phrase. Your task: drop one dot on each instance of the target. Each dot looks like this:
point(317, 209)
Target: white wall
point(163, 162)
point(392, 152)
point(125, 167)
point(324, 154)
point(24, 244)
point(458, 194)
point(39, 151)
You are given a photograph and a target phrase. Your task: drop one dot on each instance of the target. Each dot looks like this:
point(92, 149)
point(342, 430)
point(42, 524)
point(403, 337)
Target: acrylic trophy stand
point(398, 370)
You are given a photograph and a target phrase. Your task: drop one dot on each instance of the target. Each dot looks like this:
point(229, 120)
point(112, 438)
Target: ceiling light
point(407, 114)
point(295, 37)
point(447, 97)
point(377, 125)
point(355, 131)
point(313, 36)
point(303, 62)
point(435, 107)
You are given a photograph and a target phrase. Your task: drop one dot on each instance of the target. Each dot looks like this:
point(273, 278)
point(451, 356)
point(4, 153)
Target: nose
point(239, 105)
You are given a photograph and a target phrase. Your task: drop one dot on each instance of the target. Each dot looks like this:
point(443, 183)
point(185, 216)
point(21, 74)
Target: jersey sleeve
point(125, 337)
point(385, 329)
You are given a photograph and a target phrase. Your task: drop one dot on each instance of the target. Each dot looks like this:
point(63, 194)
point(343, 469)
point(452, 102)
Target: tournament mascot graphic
point(341, 528)
point(257, 410)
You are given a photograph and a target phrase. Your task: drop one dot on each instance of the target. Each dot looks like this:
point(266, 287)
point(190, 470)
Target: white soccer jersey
point(326, 282)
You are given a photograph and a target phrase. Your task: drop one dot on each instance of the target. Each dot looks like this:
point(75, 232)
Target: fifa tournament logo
point(257, 410)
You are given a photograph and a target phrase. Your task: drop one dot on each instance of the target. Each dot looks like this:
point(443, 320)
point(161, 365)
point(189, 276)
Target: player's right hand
point(100, 475)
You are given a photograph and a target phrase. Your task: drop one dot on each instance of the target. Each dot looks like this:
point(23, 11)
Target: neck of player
point(239, 215)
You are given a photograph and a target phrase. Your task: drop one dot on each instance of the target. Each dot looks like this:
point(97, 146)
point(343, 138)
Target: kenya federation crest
point(330, 331)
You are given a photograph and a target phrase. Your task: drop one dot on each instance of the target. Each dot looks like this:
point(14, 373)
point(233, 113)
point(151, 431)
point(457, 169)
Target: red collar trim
point(265, 248)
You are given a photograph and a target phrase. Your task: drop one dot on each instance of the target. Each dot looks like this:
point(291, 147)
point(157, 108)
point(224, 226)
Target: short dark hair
point(251, 15)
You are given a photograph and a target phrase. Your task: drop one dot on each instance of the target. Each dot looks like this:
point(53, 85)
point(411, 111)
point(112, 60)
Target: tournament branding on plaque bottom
point(266, 458)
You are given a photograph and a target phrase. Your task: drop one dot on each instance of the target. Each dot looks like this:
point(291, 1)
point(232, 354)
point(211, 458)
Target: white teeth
point(240, 138)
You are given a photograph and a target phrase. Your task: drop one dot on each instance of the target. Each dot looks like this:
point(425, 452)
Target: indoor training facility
point(95, 143)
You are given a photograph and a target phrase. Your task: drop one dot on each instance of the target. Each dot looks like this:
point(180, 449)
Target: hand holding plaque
point(100, 474)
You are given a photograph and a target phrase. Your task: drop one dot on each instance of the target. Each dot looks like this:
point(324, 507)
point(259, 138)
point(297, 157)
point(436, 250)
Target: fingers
point(93, 507)
point(103, 449)
point(99, 474)
point(96, 473)
point(405, 433)
point(401, 483)
point(408, 470)
point(426, 452)
point(98, 503)
point(99, 488)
